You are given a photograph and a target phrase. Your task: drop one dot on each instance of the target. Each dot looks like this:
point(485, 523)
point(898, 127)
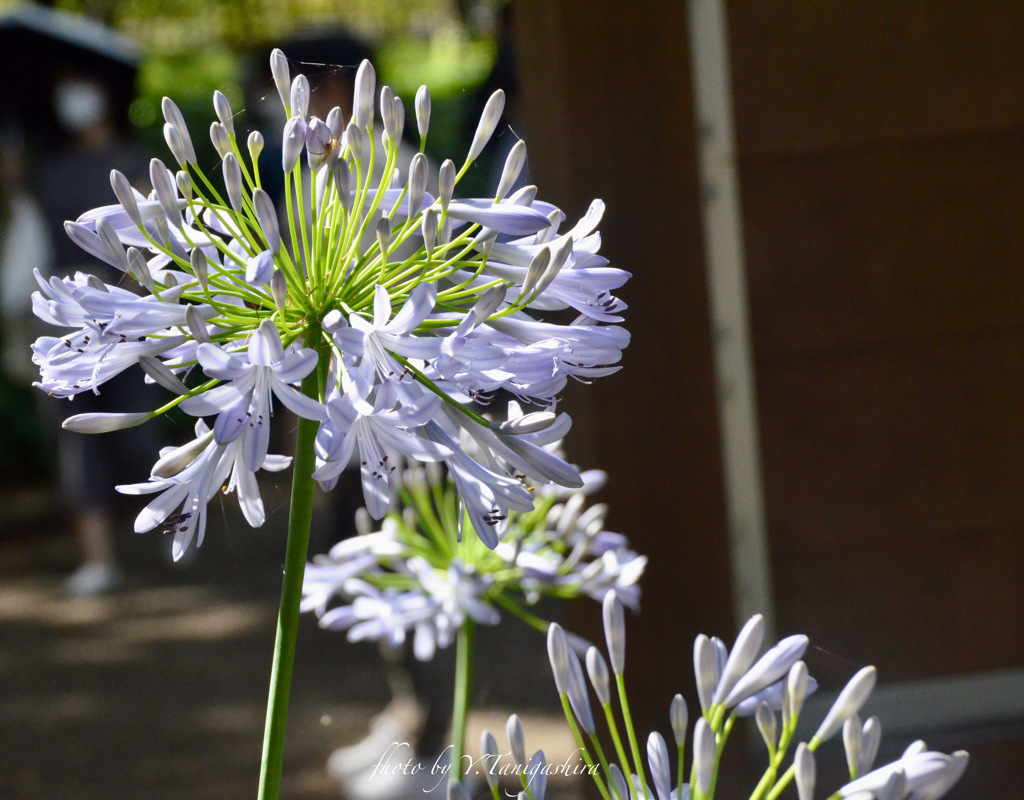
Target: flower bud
point(513, 167)
point(578, 697)
point(744, 651)
point(200, 267)
point(852, 734)
point(489, 748)
point(870, 740)
point(524, 196)
point(176, 144)
point(139, 269)
point(293, 142)
point(797, 683)
point(161, 375)
point(399, 115)
point(266, 215)
point(178, 458)
point(618, 783)
point(184, 183)
point(850, 700)
point(222, 108)
point(446, 183)
point(335, 122)
point(100, 422)
point(417, 183)
point(661, 770)
point(614, 631)
point(174, 118)
point(282, 77)
point(384, 236)
point(559, 255)
point(108, 236)
point(219, 137)
point(299, 96)
point(255, 145)
point(805, 771)
point(537, 768)
point(597, 668)
point(259, 268)
point(387, 111)
point(428, 227)
point(705, 670)
point(768, 725)
point(233, 181)
point(488, 122)
point(196, 324)
point(363, 522)
point(320, 144)
point(340, 176)
point(679, 717)
point(163, 184)
point(354, 142)
point(125, 196)
point(279, 290)
point(703, 754)
point(535, 421)
point(558, 654)
point(516, 739)
point(774, 664)
point(423, 111)
point(535, 271)
point(163, 230)
point(362, 97)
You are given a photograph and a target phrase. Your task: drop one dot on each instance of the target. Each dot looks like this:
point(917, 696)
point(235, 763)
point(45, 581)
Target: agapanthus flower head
point(396, 310)
point(432, 579)
point(733, 685)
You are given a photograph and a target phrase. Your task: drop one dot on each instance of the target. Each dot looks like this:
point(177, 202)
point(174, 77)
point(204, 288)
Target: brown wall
point(882, 177)
point(607, 113)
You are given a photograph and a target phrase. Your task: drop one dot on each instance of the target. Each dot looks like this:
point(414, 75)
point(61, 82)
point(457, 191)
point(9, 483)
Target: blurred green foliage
point(193, 47)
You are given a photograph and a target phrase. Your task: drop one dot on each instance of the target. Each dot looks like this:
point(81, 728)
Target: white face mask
point(79, 104)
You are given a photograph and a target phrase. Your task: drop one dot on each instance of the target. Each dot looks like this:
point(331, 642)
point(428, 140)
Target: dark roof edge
point(73, 29)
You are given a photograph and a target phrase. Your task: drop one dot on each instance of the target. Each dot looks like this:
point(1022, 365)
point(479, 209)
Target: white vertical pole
point(727, 290)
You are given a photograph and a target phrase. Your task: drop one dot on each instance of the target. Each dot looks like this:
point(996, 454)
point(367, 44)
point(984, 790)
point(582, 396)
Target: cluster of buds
point(732, 684)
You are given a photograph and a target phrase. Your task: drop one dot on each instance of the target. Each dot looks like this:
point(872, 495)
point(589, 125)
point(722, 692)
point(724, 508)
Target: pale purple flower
point(206, 467)
point(243, 404)
point(411, 308)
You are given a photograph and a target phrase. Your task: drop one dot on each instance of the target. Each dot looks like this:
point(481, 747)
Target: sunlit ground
point(159, 690)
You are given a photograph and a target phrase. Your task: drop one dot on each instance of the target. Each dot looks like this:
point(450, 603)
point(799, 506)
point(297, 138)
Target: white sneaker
point(91, 580)
point(398, 723)
point(398, 774)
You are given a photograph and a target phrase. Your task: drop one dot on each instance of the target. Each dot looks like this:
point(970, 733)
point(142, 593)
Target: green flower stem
point(300, 516)
point(787, 776)
point(627, 719)
point(613, 728)
point(460, 711)
point(720, 740)
point(680, 771)
point(603, 761)
point(512, 607)
point(768, 779)
point(582, 745)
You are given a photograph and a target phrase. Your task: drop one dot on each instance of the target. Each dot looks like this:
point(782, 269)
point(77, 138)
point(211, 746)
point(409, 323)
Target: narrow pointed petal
point(615, 632)
point(489, 119)
point(101, 422)
point(849, 701)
